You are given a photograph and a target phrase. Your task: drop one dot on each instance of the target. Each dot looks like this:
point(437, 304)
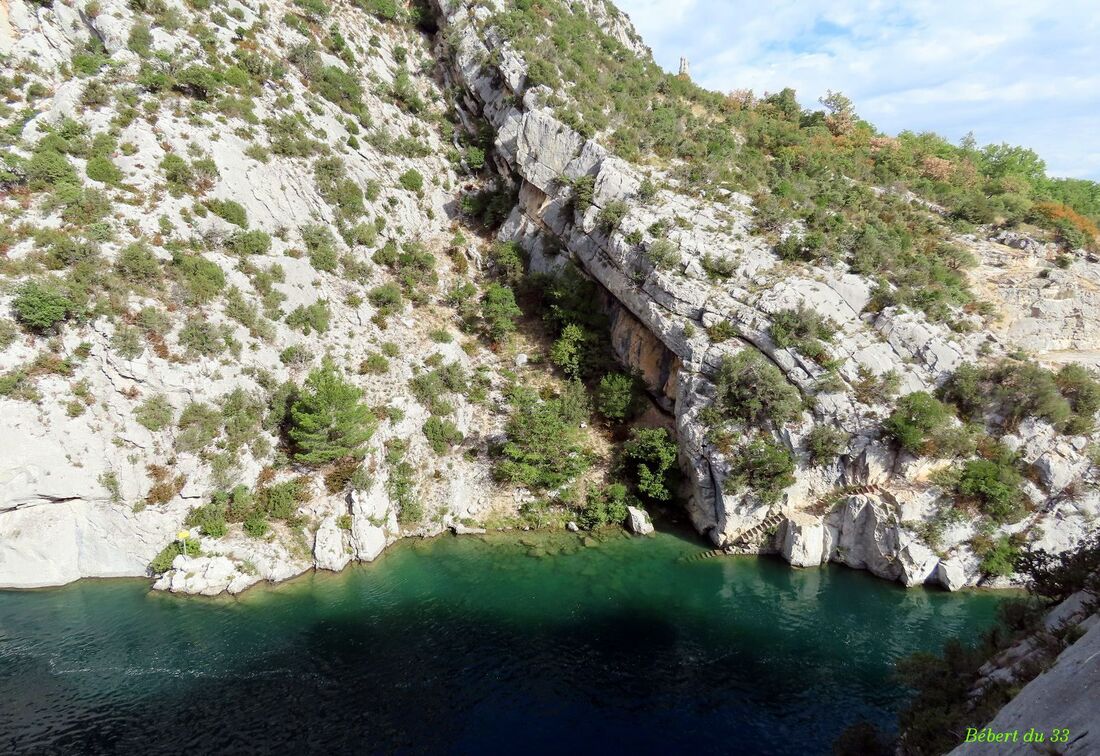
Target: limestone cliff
point(303, 203)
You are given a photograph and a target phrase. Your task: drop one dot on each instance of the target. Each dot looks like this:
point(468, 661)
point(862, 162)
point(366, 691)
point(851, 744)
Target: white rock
point(330, 550)
point(638, 522)
point(804, 541)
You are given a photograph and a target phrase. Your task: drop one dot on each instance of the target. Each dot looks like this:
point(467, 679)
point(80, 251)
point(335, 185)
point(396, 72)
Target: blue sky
point(1019, 71)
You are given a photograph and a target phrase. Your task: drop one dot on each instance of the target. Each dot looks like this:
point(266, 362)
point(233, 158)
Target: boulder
point(205, 576)
point(330, 550)
point(804, 541)
point(638, 522)
point(951, 574)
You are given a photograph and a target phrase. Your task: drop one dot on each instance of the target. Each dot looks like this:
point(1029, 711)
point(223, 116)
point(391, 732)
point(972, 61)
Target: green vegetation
point(41, 307)
point(499, 310)
point(650, 458)
point(400, 485)
point(788, 158)
point(753, 391)
point(917, 418)
point(412, 180)
point(442, 434)
point(764, 467)
point(804, 330)
point(327, 418)
point(155, 413)
point(1009, 391)
point(618, 397)
point(543, 449)
point(825, 443)
point(944, 705)
point(605, 506)
point(162, 562)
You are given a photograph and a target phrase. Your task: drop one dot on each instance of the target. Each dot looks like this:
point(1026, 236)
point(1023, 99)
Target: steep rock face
point(1062, 697)
point(77, 495)
point(678, 302)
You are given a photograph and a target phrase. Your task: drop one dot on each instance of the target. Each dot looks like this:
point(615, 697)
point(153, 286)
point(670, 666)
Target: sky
point(1025, 72)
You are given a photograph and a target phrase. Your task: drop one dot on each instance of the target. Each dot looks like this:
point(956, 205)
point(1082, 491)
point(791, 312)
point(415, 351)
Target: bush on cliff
point(752, 390)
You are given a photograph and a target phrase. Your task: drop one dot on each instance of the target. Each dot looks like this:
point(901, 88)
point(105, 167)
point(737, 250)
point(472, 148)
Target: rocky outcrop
point(1061, 698)
point(677, 301)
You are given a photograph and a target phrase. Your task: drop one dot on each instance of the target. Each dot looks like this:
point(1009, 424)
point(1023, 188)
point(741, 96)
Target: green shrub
point(296, 355)
point(569, 350)
point(314, 317)
point(41, 306)
point(249, 243)
point(140, 40)
point(374, 364)
point(618, 397)
point(200, 336)
point(412, 180)
point(611, 216)
point(385, 298)
point(100, 168)
point(337, 189)
point(802, 329)
point(327, 419)
point(508, 258)
point(1001, 557)
point(177, 172)
point(197, 81)
point(209, 518)
point(651, 455)
point(136, 264)
point(315, 10)
point(995, 486)
point(825, 443)
point(155, 413)
point(499, 311)
point(916, 419)
point(663, 254)
point(198, 426)
point(400, 485)
point(543, 447)
point(750, 389)
point(764, 467)
point(321, 247)
point(202, 279)
point(162, 562)
point(442, 434)
point(605, 506)
point(48, 168)
point(8, 333)
point(255, 525)
point(229, 211)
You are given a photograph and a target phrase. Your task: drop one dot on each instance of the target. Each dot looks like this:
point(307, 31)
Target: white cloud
point(1017, 71)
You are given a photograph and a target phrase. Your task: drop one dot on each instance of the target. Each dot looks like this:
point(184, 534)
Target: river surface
point(536, 644)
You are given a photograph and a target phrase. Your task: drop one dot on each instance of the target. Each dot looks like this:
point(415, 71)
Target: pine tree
point(327, 419)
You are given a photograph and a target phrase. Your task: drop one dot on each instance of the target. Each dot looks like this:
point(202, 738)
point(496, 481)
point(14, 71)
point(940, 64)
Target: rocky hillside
point(305, 278)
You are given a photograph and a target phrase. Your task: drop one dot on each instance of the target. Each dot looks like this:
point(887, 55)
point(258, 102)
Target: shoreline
point(669, 527)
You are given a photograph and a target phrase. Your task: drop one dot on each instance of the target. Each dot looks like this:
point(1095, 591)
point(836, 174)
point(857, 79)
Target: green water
point(460, 645)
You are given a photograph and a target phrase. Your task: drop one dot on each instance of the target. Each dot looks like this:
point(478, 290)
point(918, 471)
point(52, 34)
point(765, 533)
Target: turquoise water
point(462, 645)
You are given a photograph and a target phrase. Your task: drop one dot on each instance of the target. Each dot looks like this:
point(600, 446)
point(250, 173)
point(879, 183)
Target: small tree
point(652, 453)
point(752, 390)
point(618, 397)
point(917, 417)
point(499, 309)
point(327, 419)
point(765, 467)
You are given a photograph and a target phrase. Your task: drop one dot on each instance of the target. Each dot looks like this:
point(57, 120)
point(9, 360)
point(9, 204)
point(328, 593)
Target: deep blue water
point(474, 646)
